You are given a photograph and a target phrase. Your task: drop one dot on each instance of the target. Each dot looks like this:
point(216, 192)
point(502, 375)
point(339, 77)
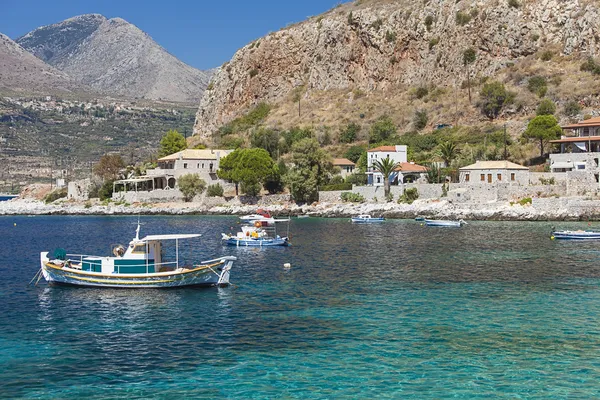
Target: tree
point(537, 84)
point(542, 128)
point(494, 97)
point(249, 167)
point(191, 185)
point(312, 167)
point(171, 142)
point(420, 120)
point(349, 133)
point(546, 107)
point(469, 57)
point(448, 152)
point(273, 182)
point(267, 139)
point(382, 129)
point(354, 153)
point(386, 167)
point(109, 166)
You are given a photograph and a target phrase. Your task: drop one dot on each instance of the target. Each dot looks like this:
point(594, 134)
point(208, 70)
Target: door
point(489, 178)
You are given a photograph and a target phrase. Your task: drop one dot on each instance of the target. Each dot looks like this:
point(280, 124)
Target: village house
point(407, 172)
point(579, 151)
point(204, 163)
point(494, 172)
point(346, 166)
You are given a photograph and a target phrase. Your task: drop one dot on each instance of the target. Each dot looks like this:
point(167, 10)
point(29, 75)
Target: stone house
point(493, 172)
point(346, 166)
point(580, 151)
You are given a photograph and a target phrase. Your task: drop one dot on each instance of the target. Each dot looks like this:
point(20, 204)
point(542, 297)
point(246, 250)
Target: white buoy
point(287, 265)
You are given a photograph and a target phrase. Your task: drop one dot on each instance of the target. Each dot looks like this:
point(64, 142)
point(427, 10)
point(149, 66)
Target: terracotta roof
point(492, 165)
point(383, 148)
point(577, 139)
point(193, 154)
point(342, 161)
point(412, 167)
point(584, 123)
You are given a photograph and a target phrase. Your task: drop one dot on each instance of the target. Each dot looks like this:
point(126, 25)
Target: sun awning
point(150, 238)
point(581, 145)
point(561, 164)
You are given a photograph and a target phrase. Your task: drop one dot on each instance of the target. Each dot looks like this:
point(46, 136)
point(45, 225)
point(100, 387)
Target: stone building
point(492, 172)
point(346, 166)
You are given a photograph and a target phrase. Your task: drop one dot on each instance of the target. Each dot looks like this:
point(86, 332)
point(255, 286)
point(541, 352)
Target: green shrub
point(409, 196)
point(590, 65)
point(352, 197)
point(390, 36)
point(87, 204)
point(253, 72)
point(334, 187)
point(250, 189)
point(462, 18)
point(420, 120)
point(526, 200)
point(494, 97)
point(421, 92)
point(349, 133)
point(514, 3)
point(106, 190)
point(354, 153)
point(55, 195)
point(548, 181)
point(546, 55)
point(377, 24)
point(546, 107)
point(537, 84)
point(428, 22)
point(572, 108)
point(215, 190)
point(358, 179)
point(433, 42)
point(535, 37)
point(191, 185)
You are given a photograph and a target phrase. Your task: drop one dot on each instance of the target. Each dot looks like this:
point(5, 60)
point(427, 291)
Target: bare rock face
point(21, 72)
point(377, 46)
point(115, 57)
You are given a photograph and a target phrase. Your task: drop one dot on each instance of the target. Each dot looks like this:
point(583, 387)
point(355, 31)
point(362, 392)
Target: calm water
point(397, 310)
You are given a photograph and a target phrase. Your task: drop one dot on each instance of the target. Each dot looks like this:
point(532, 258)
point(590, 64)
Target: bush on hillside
point(215, 190)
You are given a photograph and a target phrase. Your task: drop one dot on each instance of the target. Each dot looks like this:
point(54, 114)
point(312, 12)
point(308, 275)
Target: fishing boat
point(444, 222)
point(259, 234)
point(366, 218)
point(575, 235)
point(140, 265)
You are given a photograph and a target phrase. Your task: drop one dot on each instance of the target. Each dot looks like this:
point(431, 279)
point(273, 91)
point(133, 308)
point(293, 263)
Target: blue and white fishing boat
point(366, 218)
point(444, 222)
point(256, 235)
point(575, 235)
point(140, 265)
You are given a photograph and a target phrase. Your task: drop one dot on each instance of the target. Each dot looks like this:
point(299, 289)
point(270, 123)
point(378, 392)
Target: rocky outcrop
point(22, 73)
point(381, 45)
point(115, 57)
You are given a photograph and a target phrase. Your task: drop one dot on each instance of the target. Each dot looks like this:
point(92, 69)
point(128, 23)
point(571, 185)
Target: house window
point(512, 176)
point(489, 178)
point(378, 179)
point(185, 165)
point(586, 131)
point(467, 177)
point(198, 166)
point(202, 165)
point(580, 166)
point(499, 176)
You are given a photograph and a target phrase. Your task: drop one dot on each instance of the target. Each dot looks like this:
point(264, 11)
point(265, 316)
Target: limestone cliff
point(378, 46)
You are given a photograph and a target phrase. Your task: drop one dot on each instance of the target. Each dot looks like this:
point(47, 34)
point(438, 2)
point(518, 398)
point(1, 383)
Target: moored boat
point(140, 265)
point(576, 235)
point(261, 234)
point(366, 218)
point(444, 222)
point(260, 215)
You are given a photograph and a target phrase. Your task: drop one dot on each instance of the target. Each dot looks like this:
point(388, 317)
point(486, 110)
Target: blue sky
point(201, 33)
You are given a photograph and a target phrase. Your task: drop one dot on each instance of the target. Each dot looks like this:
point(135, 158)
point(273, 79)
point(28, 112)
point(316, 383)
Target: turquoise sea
point(396, 310)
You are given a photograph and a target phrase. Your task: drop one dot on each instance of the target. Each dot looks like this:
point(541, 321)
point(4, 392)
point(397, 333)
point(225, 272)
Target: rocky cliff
point(380, 47)
point(115, 57)
point(21, 72)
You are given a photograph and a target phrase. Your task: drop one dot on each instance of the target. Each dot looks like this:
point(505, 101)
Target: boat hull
point(233, 241)
point(451, 224)
point(367, 220)
point(215, 273)
point(576, 235)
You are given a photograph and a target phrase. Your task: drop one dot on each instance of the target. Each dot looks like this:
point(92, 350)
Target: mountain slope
point(381, 48)
point(21, 72)
point(115, 57)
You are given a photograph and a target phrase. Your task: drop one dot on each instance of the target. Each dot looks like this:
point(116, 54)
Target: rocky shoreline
point(441, 209)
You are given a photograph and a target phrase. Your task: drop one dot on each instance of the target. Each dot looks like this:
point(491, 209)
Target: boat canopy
point(150, 238)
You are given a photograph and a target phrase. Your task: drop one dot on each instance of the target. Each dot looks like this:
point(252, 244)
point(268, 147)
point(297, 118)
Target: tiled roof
point(577, 139)
point(492, 165)
point(194, 154)
point(383, 148)
point(412, 167)
point(342, 161)
point(584, 123)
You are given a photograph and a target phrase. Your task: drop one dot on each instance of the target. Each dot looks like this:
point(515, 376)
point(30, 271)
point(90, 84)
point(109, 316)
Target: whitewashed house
point(395, 153)
point(580, 151)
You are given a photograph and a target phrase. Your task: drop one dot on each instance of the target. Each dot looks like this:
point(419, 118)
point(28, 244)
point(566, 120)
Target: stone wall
point(148, 197)
point(79, 190)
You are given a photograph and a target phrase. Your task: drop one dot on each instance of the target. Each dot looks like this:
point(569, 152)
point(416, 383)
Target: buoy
point(15, 224)
point(287, 265)
point(551, 237)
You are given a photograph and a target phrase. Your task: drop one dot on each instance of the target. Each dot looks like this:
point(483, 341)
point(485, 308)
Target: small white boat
point(140, 265)
point(366, 218)
point(444, 222)
point(261, 234)
point(303, 216)
point(575, 235)
point(260, 215)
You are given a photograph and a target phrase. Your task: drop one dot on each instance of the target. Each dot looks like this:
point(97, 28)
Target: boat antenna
point(137, 230)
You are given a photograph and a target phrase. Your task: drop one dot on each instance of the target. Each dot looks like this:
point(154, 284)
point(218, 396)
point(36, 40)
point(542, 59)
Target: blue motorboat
point(575, 235)
point(366, 218)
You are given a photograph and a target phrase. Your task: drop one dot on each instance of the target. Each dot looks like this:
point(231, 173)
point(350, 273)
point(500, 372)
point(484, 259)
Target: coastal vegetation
point(190, 186)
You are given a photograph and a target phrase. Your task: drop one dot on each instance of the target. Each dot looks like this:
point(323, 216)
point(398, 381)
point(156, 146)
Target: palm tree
point(386, 167)
point(448, 152)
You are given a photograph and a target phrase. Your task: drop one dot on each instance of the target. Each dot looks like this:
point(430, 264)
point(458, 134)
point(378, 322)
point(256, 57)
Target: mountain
point(22, 73)
point(366, 58)
point(115, 57)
